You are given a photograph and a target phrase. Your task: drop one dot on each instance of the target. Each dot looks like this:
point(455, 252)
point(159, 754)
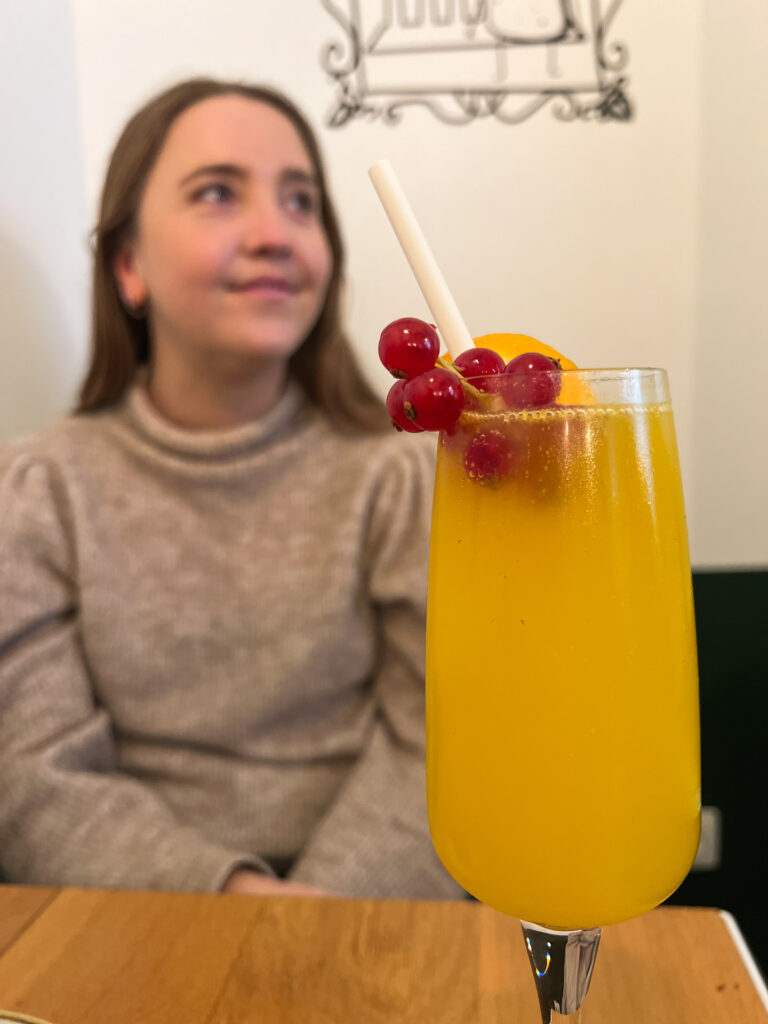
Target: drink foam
point(559, 413)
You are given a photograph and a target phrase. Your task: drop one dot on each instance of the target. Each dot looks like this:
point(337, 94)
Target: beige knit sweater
point(211, 654)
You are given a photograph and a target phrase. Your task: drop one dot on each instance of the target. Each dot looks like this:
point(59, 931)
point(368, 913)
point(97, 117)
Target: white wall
point(43, 244)
point(612, 242)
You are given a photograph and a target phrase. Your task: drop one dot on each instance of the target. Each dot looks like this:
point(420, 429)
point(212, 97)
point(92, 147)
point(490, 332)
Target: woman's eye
point(216, 192)
point(303, 201)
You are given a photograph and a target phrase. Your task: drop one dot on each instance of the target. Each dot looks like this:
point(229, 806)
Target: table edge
point(746, 955)
point(20, 1018)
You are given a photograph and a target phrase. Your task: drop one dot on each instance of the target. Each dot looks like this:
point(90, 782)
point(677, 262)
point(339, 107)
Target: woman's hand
point(245, 881)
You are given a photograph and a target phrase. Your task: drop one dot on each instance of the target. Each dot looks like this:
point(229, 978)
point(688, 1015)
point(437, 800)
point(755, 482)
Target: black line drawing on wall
point(467, 59)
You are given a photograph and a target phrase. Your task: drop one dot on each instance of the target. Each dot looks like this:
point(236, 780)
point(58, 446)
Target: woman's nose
point(265, 227)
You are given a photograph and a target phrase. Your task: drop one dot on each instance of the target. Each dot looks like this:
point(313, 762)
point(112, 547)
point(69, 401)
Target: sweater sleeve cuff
point(206, 867)
point(255, 864)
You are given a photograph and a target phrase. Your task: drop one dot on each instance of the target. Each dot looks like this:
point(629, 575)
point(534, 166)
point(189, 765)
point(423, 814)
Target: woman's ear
point(130, 283)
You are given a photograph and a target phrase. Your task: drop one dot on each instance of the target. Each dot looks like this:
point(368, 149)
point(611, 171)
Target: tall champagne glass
point(562, 696)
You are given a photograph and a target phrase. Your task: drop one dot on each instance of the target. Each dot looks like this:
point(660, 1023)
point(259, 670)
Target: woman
point(211, 610)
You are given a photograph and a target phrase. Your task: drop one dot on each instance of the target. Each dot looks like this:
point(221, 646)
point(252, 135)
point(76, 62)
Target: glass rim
point(606, 386)
point(606, 372)
point(596, 375)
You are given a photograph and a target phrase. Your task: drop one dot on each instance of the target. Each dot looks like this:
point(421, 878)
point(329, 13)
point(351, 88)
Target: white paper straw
point(449, 321)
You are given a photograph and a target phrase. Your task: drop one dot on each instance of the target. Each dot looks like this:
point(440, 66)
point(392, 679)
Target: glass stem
point(562, 964)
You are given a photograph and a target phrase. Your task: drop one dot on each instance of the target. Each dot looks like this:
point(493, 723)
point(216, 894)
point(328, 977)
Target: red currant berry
point(490, 457)
point(531, 380)
point(396, 409)
point(478, 363)
point(434, 400)
point(408, 347)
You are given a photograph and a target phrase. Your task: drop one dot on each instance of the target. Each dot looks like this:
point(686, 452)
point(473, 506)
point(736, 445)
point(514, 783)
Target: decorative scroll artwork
point(467, 59)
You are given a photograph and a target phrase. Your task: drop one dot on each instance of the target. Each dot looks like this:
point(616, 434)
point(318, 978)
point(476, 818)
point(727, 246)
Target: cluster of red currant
point(431, 393)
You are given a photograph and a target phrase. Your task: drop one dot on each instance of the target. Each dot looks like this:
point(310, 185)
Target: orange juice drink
point(562, 707)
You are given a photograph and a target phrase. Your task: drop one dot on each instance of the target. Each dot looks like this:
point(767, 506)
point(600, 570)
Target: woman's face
point(230, 253)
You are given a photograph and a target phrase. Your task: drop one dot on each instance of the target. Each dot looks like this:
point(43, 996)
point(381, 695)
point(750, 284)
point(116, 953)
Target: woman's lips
point(266, 286)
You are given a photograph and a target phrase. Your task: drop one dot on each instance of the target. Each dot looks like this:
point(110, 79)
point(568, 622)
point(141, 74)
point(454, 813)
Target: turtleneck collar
point(211, 445)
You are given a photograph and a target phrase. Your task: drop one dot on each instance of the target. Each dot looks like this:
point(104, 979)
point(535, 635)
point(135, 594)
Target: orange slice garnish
point(573, 391)
point(510, 345)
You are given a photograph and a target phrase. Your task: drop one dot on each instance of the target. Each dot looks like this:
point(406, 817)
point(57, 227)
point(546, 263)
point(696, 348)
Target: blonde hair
point(324, 364)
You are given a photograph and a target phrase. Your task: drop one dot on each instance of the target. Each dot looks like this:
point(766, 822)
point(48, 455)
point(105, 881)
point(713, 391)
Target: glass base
point(562, 964)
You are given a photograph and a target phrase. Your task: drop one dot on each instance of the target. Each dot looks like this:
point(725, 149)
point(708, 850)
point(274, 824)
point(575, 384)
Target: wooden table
point(76, 956)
